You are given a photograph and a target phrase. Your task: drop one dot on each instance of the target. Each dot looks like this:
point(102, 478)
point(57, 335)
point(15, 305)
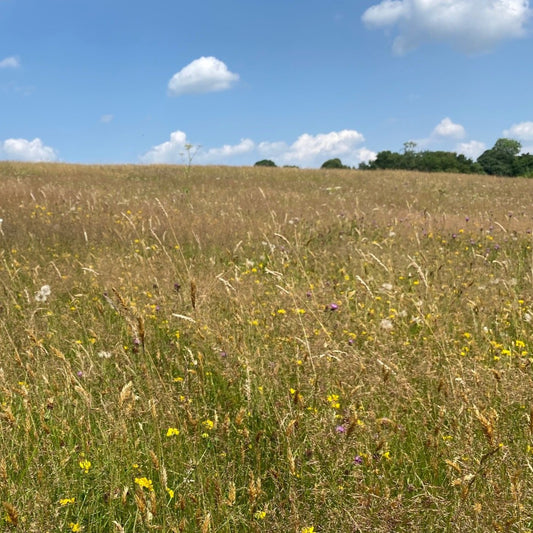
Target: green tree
point(500, 159)
point(333, 163)
point(265, 163)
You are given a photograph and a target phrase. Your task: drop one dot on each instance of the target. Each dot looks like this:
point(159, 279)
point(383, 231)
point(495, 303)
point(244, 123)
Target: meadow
point(251, 349)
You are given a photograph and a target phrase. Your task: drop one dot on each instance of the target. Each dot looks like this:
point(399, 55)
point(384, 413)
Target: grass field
point(248, 349)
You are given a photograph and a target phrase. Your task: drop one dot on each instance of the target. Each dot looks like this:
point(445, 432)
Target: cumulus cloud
point(24, 150)
point(10, 62)
point(522, 131)
point(245, 146)
point(308, 150)
point(170, 151)
point(203, 75)
point(447, 129)
point(336, 143)
point(471, 26)
point(471, 149)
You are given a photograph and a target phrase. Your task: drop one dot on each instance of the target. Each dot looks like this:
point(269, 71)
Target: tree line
point(503, 159)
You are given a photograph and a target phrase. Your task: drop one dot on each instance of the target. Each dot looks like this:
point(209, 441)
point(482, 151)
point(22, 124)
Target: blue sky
point(298, 82)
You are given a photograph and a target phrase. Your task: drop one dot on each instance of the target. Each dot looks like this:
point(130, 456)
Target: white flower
point(386, 324)
point(104, 355)
point(387, 286)
point(42, 294)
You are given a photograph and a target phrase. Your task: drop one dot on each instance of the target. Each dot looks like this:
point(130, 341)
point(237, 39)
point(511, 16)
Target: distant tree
point(265, 163)
point(523, 165)
point(508, 146)
point(333, 163)
point(500, 159)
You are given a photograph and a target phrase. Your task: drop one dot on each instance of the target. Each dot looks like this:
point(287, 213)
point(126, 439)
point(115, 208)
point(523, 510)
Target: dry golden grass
point(251, 349)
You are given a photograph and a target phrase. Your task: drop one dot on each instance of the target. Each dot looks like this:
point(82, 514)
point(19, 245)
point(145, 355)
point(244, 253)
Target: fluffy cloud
point(472, 149)
point(171, 151)
point(334, 144)
point(106, 119)
point(10, 62)
point(307, 150)
point(469, 25)
point(245, 146)
point(522, 131)
point(447, 129)
point(24, 150)
point(203, 75)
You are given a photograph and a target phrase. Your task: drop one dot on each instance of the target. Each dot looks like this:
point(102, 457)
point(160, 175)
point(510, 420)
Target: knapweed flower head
point(332, 307)
point(358, 460)
point(42, 294)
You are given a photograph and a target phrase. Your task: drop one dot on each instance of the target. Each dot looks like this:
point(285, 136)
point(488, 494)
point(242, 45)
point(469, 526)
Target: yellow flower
point(172, 431)
point(85, 465)
point(260, 515)
point(310, 529)
point(74, 526)
point(66, 501)
point(145, 483)
point(208, 424)
point(170, 493)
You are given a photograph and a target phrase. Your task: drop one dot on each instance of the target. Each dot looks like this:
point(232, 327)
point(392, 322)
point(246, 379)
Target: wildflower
point(208, 424)
point(104, 355)
point(387, 286)
point(74, 526)
point(85, 465)
point(172, 431)
point(358, 460)
point(66, 501)
point(310, 529)
point(333, 307)
point(340, 429)
point(260, 515)
point(333, 400)
point(170, 493)
point(386, 324)
point(42, 294)
point(145, 483)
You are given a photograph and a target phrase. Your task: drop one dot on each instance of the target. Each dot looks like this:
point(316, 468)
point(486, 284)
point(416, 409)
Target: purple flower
point(79, 373)
point(340, 429)
point(358, 460)
point(333, 307)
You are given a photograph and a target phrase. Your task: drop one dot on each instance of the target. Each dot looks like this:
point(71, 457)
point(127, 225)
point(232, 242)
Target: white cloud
point(447, 129)
point(106, 119)
point(10, 62)
point(171, 151)
point(471, 149)
point(245, 146)
point(522, 131)
point(307, 150)
point(469, 25)
point(203, 75)
point(365, 155)
point(24, 150)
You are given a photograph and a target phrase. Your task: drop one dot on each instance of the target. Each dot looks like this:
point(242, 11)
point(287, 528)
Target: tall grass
point(238, 349)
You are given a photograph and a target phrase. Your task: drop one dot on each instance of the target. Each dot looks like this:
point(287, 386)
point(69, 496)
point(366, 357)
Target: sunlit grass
point(240, 349)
